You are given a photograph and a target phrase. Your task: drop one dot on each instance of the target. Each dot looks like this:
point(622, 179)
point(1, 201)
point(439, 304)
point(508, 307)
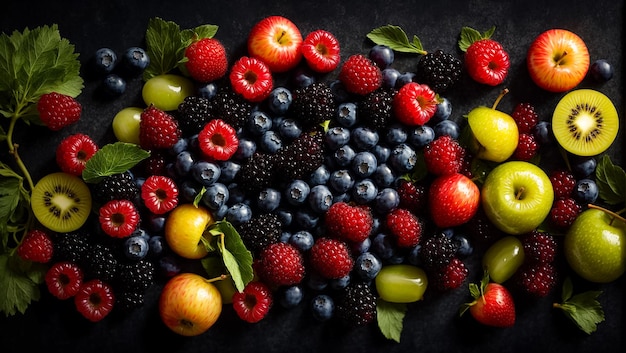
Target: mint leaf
point(19, 283)
point(390, 317)
point(112, 159)
point(611, 180)
point(395, 38)
point(470, 35)
point(583, 309)
point(237, 259)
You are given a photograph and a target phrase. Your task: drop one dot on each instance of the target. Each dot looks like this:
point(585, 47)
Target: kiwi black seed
point(585, 122)
point(61, 202)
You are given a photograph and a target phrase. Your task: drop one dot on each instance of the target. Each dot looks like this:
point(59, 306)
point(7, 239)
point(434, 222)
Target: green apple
point(126, 124)
point(494, 132)
point(184, 229)
point(517, 196)
point(595, 246)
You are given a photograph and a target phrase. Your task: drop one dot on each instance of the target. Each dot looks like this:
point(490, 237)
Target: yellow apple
point(184, 229)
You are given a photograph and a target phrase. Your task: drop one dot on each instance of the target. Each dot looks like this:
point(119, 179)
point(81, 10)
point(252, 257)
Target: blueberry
point(364, 191)
point(184, 162)
point(297, 191)
point(284, 236)
point(290, 297)
point(364, 138)
point(443, 112)
point(188, 190)
point(268, 199)
point(341, 180)
point(447, 127)
point(229, 170)
point(169, 266)
point(316, 282)
point(105, 60)
point(367, 266)
point(364, 164)
point(463, 246)
point(404, 78)
point(319, 176)
point(421, 136)
point(413, 257)
point(381, 153)
point(156, 224)
point(395, 134)
point(343, 197)
point(320, 198)
point(136, 247)
point(285, 215)
point(586, 191)
point(336, 137)
point(384, 246)
point(220, 213)
point(271, 142)
point(382, 56)
point(303, 240)
point(344, 155)
point(205, 173)
point(346, 114)
point(543, 133)
point(601, 70)
point(156, 246)
point(386, 200)
point(181, 145)
point(245, 149)
point(383, 176)
point(114, 85)
point(390, 77)
point(340, 283)
point(135, 60)
point(207, 90)
point(239, 213)
point(303, 78)
point(583, 167)
point(403, 158)
point(322, 307)
point(236, 194)
point(279, 100)
point(339, 91)
point(361, 247)
point(215, 196)
point(259, 123)
point(289, 129)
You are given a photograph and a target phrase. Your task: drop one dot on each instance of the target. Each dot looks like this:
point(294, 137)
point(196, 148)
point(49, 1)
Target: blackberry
point(193, 113)
point(313, 104)
point(303, 156)
point(260, 231)
point(481, 229)
point(257, 172)
point(376, 110)
point(135, 276)
point(231, 108)
point(70, 247)
point(437, 251)
point(115, 187)
point(357, 304)
point(100, 262)
point(439, 70)
point(129, 300)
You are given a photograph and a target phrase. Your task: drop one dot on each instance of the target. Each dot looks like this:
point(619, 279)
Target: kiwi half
point(585, 122)
point(61, 202)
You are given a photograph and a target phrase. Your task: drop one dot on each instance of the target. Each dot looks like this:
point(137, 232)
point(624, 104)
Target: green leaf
point(470, 35)
point(198, 198)
point(164, 45)
point(114, 158)
point(583, 309)
point(237, 259)
point(611, 180)
point(19, 284)
point(568, 289)
point(395, 38)
point(390, 317)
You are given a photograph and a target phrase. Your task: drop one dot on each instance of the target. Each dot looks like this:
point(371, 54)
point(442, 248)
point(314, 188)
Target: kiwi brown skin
point(585, 122)
point(61, 202)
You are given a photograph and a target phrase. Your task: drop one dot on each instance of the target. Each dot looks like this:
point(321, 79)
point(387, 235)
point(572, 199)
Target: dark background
point(430, 326)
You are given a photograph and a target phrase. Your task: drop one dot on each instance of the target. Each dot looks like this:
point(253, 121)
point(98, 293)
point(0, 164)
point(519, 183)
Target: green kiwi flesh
point(585, 122)
point(61, 202)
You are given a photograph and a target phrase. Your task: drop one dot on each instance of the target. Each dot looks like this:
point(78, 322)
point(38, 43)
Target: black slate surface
point(430, 326)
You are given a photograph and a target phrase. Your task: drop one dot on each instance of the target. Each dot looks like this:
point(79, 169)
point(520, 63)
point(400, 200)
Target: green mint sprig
point(469, 35)
point(395, 38)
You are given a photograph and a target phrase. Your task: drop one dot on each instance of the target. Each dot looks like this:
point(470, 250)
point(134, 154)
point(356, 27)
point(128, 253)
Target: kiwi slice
point(585, 122)
point(61, 202)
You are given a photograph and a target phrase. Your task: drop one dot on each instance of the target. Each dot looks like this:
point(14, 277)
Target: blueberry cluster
point(115, 71)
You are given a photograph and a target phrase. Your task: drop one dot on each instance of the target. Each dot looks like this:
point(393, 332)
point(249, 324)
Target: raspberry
point(537, 279)
point(119, 218)
point(36, 246)
point(281, 264)
point(349, 223)
point(330, 258)
point(157, 129)
point(563, 183)
point(94, 300)
point(539, 247)
point(437, 251)
point(443, 156)
point(439, 70)
point(357, 304)
point(251, 78)
point(206, 60)
point(414, 104)
point(253, 304)
point(405, 227)
point(525, 117)
point(57, 110)
point(159, 193)
point(450, 276)
point(73, 152)
point(218, 140)
point(564, 212)
point(63, 279)
point(413, 196)
point(526, 148)
point(487, 62)
point(360, 75)
point(320, 50)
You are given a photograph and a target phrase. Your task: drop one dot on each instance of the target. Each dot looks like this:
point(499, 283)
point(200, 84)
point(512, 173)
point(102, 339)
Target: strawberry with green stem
point(493, 304)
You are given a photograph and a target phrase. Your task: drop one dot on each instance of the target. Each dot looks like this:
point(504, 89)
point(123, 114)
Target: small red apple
point(184, 229)
point(276, 41)
point(453, 200)
point(189, 304)
point(557, 60)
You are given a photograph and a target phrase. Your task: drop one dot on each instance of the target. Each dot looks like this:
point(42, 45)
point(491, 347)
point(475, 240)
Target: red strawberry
point(349, 223)
point(94, 300)
point(57, 110)
point(159, 193)
point(493, 304)
point(487, 62)
point(414, 104)
point(330, 258)
point(444, 155)
point(218, 140)
point(360, 75)
point(320, 50)
point(73, 152)
point(36, 246)
point(157, 129)
point(453, 200)
point(525, 117)
point(253, 304)
point(206, 60)
point(64, 279)
point(251, 78)
point(281, 264)
point(119, 218)
point(405, 227)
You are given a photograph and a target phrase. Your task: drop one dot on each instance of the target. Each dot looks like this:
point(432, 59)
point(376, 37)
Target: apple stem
point(613, 214)
point(518, 195)
point(559, 59)
point(502, 94)
point(218, 278)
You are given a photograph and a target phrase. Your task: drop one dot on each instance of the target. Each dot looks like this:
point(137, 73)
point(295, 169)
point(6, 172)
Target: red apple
point(189, 304)
point(184, 229)
point(557, 60)
point(277, 41)
point(453, 200)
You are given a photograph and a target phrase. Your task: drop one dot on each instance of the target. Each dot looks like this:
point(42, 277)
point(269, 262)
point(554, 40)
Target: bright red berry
point(563, 183)
point(253, 304)
point(57, 110)
point(63, 279)
point(360, 75)
point(95, 300)
point(493, 305)
point(525, 117)
point(405, 227)
point(159, 193)
point(487, 62)
point(414, 104)
point(251, 78)
point(527, 147)
point(73, 152)
point(444, 156)
point(330, 258)
point(206, 60)
point(36, 246)
point(539, 247)
point(119, 218)
point(564, 212)
point(351, 223)
point(451, 276)
point(320, 50)
point(157, 129)
point(537, 279)
point(218, 140)
point(281, 264)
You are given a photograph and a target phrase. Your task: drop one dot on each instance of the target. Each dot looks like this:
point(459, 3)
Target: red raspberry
point(539, 247)
point(206, 60)
point(330, 258)
point(526, 148)
point(119, 218)
point(444, 156)
point(537, 279)
point(405, 227)
point(281, 264)
point(159, 193)
point(253, 304)
point(487, 62)
point(57, 110)
point(451, 276)
point(218, 140)
point(73, 152)
point(157, 129)
point(414, 104)
point(320, 50)
point(251, 78)
point(95, 300)
point(563, 183)
point(564, 212)
point(64, 279)
point(349, 223)
point(359, 75)
point(36, 246)
point(525, 117)
point(413, 196)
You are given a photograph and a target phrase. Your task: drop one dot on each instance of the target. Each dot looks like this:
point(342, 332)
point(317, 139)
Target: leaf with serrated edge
point(470, 35)
point(114, 158)
point(395, 38)
point(390, 317)
point(611, 180)
point(583, 309)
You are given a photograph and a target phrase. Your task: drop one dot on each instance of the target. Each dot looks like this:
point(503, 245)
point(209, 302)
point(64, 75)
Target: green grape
point(503, 258)
point(167, 91)
point(126, 125)
point(401, 283)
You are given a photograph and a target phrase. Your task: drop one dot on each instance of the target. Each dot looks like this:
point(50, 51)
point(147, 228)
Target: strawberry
point(414, 104)
point(159, 193)
point(251, 78)
point(487, 62)
point(206, 60)
point(157, 129)
point(330, 258)
point(453, 200)
point(360, 75)
point(320, 50)
point(405, 227)
point(73, 152)
point(119, 218)
point(444, 155)
point(218, 140)
point(253, 304)
point(57, 111)
point(493, 304)
point(95, 300)
point(349, 223)
point(36, 246)
point(525, 117)
point(281, 264)
point(63, 279)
